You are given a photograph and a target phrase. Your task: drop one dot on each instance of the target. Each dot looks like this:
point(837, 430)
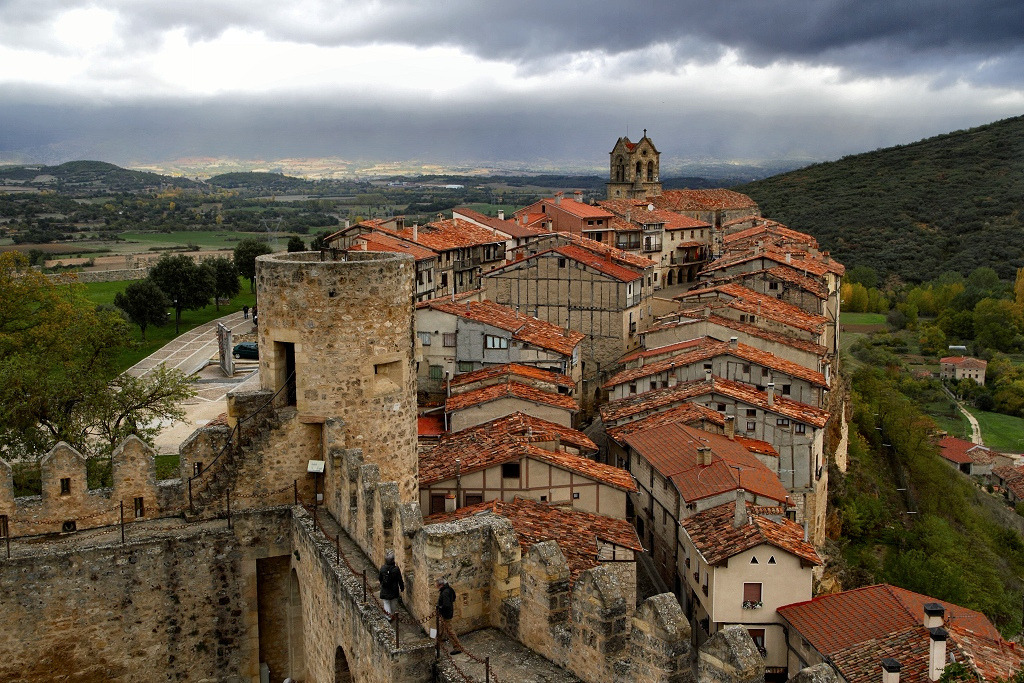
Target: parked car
point(246, 350)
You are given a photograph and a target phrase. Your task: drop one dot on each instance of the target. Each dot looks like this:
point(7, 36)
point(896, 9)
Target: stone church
point(634, 169)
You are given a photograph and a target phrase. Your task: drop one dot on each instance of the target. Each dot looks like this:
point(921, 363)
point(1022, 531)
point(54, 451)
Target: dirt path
point(975, 427)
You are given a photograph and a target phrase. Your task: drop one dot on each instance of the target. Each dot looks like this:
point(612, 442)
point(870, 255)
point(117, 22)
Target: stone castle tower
point(634, 169)
point(336, 338)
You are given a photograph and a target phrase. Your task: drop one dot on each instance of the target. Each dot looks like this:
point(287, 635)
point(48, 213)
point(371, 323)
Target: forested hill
point(952, 202)
point(85, 178)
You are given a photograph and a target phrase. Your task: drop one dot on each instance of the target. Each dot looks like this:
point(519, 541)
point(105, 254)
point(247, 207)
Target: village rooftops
point(768, 230)
point(513, 370)
point(703, 200)
point(747, 300)
point(717, 538)
point(666, 350)
point(525, 328)
point(783, 273)
point(445, 235)
point(697, 315)
point(510, 228)
point(800, 260)
point(619, 256)
point(575, 208)
point(711, 348)
point(460, 297)
point(511, 438)
point(691, 414)
point(1013, 478)
point(636, 211)
point(581, 536)
point(962, 452)
point(602, 265)
point(383, 242)
point(674, 451)
point(510, 389)
point(649, 402)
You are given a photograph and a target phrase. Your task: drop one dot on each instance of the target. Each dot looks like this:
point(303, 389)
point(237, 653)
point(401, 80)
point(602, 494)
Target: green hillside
point(952, 202)
point(86, 178)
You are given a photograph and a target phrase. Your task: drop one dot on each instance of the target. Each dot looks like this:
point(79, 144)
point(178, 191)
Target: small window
point(492, 341)
point(786, 389)
point(437, 372)
point(751, 412)
point(561, 263)
point(782, 422)
point(751, 425)
point(576, 495)
point(771, 560)
point(449, 339)
point(707, 366)
point(773, 285)
point(465, 366)
point(510, 470)
point(800, 428)
point(140, 508)
point(721, 407)
point(753, 560)
point(424, 338)
point(746, 368)
point(632, 387)
point(3, 526)
point(543, 499)
point(65, 486)
point(444, 279)
point(764, 372)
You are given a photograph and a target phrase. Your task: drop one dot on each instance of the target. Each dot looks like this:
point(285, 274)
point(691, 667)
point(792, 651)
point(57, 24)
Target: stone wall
point(102, 275)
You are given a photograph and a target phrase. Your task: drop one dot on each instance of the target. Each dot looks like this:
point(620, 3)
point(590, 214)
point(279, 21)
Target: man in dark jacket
point(391, 583)
point(446, 610)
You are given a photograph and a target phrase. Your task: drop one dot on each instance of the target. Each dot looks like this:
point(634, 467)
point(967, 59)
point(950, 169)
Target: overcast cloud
point(458, 81)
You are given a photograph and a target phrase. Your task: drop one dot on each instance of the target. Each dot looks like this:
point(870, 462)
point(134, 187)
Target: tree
point(138, 405)
point(144, 303)
point(225, 278)
point(57, 354)
point(295, 243)
point(933, 340)
point(246, 252)
point(185, 283)
point(995, 324)
point(317, 243)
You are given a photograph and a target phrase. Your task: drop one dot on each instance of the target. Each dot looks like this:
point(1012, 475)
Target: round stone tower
point(336, 337)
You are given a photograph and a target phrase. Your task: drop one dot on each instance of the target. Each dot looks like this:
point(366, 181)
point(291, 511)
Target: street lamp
point(176, 317)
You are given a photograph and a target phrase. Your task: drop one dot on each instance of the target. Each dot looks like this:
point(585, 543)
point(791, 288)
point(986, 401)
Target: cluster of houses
point(652, 374)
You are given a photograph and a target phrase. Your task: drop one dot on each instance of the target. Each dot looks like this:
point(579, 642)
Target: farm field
point(1001, 432)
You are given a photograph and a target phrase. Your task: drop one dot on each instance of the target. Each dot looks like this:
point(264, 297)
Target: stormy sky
point(463, 81)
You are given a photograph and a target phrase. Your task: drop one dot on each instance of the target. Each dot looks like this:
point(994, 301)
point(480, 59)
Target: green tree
point(187, 284)
point(138, 405)
point(933, 340)
point(246, 252)
point(225, 278)
point(295, 243)
point(995, 324)
point(144, 303)
point(317, 242)
point(865, 275)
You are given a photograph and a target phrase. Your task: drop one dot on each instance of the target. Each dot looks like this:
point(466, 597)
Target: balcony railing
point(752, 604)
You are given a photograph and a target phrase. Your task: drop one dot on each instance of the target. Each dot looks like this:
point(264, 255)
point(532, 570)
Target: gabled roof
point(672, 450)
point(873, 612)
point(601, 249)
point(811, 263)
point(769, 231)
point(443, 235)
point(510, 389)
point(573, 208)
point(511, 438)
point(1013, 478)
point(639, 213)
point(783, 273)
point(510, 228)
point(711, 348)
point(512, 370)
point(601, 265)
point(696, 315)
point(580, 535)
point(691, 414)
point(717, 539)
point(524, 328)
point(962, 452)
point(964, 362)
point(666, 350)
point(378, 241)
point(702, 200)
point(747, 300)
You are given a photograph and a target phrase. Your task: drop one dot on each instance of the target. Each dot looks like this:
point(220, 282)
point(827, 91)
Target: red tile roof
point(962, 452)
point(1013, 478)
point(378, 241)
point(511, 438)
point(695, 315)
point(702, 200)
point(831, 623)
point(601, 265)
point(495, 392)
point(638, 212)
point(513, 370)
point(747, 300)
point(580, 535)
point(617, 255)
point(717, 539)
point(671, 449)
point(511, 228)
point(812, 264)
point(577, 209)
point(446, 234)
point(782, 273)
point(430, 425)
point(756, 445)
point(525, 328)
point(771, 232)
point(461, 297)
point(712, 348)
point(660, 351)
point(692, 414)
point(964, 362)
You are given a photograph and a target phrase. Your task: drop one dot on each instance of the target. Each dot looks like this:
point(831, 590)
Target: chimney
point(704, 455)
point(890, 670)
point(415, 231)
point(730, 427)
point(501, 214)
point(933, 615)
point(739, 517)
point(629, 215)
point(449, 502)
point(789, 259)
point(707, 311)
point(733, 342)
point(771, 393)
point(578, 195)
point(707, 374)
point(641, 359)
point(558, 198)
point(936, 652)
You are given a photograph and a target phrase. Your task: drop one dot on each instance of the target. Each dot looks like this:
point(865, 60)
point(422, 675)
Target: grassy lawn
point(208, 239)
point(1001, 432)
point(103, 293)
point(862, 318)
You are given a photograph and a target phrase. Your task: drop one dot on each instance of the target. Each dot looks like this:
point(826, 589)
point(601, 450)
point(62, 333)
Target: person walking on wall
point(446, 610)
point(391, 583)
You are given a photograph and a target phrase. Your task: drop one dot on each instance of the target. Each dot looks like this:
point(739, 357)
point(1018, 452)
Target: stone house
point(558, 214)
point(521, 456)
point(476, 406)
point(426, 259)
point(743, 562)
point(455, 337)
point(634, 169)
point(918, 634)
point(585, 286)
point(729, 360)
point(956, 368)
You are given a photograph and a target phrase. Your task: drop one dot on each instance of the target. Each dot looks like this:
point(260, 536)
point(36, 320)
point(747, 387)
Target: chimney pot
point(501, 214)
point(449, 502)
point(730, 427)
point(934, 614)
point(936, 652)
point(739, 517)
point(890, 670)
point(704, 455)
point(771, 393)
point(707, 374)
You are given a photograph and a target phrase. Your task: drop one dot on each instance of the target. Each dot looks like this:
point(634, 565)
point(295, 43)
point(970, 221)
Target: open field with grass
point(861, 318)
point(1001, 432)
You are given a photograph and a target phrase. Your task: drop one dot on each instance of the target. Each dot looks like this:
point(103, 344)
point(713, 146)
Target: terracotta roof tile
point(880, 609)
point(378, 241)
point(747, 300)
point(578, 209)
point(601, 265)
point(771, 232)
point(662, 351)
point(702, 200)
point(580, 535)
point(509, 389)
point(510, 228)
point(430, 425)
point(782, 273)
point(639, 214)
point(962, 452)
point(811, 263)
point(695, 315)
point(446, 234)
point(525, 328)
point(513, 370)
point(692, 414)
point(964, 362)
point(617, 255)
point(716, 539)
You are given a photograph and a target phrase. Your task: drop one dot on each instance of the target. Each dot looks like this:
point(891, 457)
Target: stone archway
point(342, 674)
point(296, 640)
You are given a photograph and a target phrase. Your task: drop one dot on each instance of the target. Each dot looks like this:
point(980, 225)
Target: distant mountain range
point(948, 203)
